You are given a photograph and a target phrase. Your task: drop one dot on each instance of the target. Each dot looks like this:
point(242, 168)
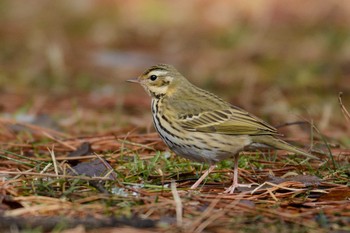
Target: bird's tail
point(282, 145)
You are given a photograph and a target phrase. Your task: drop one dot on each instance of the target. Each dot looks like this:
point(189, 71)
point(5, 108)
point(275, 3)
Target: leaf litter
point(125, 180)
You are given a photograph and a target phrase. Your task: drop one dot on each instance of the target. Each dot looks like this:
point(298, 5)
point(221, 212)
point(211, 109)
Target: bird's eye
point(153, 77)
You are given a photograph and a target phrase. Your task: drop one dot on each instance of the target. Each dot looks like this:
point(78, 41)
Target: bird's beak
point(133, 80)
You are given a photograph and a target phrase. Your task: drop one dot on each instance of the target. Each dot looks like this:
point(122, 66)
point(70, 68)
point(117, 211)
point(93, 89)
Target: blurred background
point(64, 63)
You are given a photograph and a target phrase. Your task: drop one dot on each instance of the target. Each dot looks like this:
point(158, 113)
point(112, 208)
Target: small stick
point(178, 204)
point(53, 157)
point(343, 109)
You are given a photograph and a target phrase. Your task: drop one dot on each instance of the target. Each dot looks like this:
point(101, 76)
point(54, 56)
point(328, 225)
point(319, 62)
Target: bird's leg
point(231, 189)
point(205, 174)
point(234, 185)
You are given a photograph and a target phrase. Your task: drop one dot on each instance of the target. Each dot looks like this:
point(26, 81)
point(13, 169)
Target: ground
point(65, 104)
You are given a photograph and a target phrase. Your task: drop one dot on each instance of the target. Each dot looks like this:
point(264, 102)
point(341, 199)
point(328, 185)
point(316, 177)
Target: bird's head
point(160, 80)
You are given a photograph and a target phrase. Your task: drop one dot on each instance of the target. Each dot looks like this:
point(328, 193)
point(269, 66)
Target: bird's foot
point(231, 189)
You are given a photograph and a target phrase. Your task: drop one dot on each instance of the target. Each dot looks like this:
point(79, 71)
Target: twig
point(53, 175)
point(204, 215)
point(343, 109)
point(214, 216)
point(52, 153)
point(59, 141)
point(276, 186)
point(178, 204)
point(292, 123)
point(327, 145)
point(36, 128)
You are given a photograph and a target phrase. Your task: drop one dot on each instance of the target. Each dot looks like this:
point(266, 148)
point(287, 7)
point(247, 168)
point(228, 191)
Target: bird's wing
point(230, 121)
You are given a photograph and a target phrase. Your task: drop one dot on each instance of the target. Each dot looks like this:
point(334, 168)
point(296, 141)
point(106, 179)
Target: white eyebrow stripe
point(158, 72)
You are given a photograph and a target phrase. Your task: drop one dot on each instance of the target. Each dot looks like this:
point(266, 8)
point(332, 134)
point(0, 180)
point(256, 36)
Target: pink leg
point(205, 174)
point(235, 184)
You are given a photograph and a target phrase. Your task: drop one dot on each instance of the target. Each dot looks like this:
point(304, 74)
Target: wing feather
point(231, 121)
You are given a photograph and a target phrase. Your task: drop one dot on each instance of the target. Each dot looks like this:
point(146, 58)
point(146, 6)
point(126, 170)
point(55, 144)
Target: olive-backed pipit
point(200, 126)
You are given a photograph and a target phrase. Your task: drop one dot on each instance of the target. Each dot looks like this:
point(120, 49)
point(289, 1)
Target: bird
point(200, 126)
